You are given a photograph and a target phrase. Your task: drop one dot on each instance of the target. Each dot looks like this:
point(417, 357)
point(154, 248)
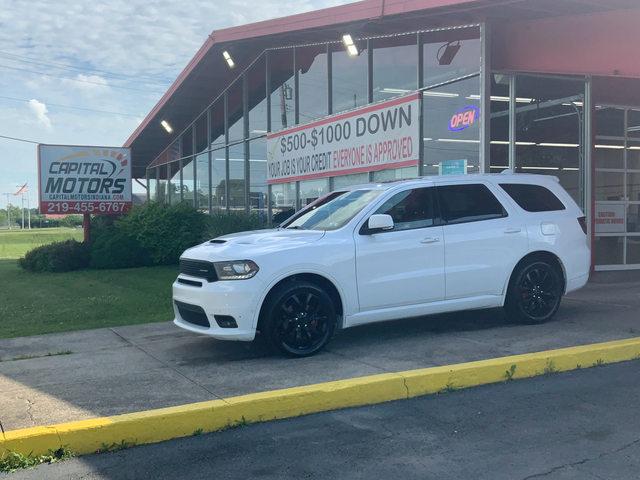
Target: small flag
point(22, 190)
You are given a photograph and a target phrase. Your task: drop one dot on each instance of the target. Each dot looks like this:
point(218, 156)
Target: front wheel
point(534, 293)
point(299, 319)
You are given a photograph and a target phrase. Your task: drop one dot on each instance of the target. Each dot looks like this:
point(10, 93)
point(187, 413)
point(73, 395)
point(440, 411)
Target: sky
point(80, 72)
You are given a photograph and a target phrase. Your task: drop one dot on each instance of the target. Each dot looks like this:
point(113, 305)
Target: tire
point(534, 293)
point(299, 319)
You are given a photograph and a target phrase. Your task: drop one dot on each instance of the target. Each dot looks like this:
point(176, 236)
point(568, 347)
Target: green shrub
point(163, 231)
point(111, 247)
point(222, 223)
point(56, 257)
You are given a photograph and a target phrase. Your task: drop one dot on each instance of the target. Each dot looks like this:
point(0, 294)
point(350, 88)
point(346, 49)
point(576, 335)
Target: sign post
point(83, 181)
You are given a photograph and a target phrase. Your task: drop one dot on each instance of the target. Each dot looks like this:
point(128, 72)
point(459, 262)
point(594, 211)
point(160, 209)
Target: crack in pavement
point(30, 405)
point(582, 462)
point(170, 367)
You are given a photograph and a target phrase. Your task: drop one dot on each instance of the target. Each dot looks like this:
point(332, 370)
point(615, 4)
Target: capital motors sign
point(84, 180)
point(463, 118)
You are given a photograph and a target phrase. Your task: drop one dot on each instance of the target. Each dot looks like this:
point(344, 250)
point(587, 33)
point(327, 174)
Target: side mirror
point(380, 222)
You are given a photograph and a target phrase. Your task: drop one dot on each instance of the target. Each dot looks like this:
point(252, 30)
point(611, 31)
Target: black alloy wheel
point(534, 294)
point(299, 319)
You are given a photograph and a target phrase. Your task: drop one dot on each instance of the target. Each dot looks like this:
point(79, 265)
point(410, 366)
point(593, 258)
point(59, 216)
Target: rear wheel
point(534, 293)
point(299, 319)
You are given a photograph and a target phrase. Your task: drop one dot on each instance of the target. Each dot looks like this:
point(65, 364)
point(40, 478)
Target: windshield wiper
point(297, 227)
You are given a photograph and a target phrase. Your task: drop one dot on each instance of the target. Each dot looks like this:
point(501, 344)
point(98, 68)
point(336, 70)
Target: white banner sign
point(371, 138)
point(609, 219)
point(84, 180)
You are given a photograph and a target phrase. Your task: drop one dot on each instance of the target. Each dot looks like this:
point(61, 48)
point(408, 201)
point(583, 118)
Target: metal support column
point(485, 98)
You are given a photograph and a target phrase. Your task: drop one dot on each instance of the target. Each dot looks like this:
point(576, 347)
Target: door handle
point(512, 230)
point(430, 240)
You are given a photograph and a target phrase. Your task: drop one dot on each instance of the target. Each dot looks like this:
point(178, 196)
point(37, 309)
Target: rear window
point(468, 203)
point(533, 198)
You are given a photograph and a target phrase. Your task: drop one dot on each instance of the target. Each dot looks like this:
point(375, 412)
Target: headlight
point(236, 270)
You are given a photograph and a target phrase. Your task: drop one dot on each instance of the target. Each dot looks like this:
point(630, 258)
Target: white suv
point(385, 251)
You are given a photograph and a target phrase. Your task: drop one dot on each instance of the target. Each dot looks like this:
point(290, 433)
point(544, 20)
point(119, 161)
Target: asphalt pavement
point(143, 367)
point(578, 425)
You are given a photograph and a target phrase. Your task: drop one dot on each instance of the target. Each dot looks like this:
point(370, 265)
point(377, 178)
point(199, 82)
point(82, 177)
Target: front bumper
point(236, 298)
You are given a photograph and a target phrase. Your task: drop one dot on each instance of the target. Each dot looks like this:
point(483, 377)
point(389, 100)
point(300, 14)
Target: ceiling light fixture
point(166, 126)
point(227, 57)
point(351, 47)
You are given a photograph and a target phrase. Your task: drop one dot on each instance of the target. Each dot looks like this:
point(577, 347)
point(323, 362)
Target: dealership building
point(267, 117)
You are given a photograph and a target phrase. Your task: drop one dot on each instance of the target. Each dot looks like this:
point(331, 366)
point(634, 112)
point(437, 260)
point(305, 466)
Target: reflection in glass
point(395, 174)
point(395, 66)
point(633, 220)
point(283, 200)
point(257, 98)
point(202, 190)
point(609, 250)
point(201, 133)
point(633, 155)
point(349, 77)
point(188, 184)
point(633, 122)
point(218, 179)
point(311, 190)
point(282, 94)
point(187, 142)
point(236, 177)
point(162, 183)
point(633, 187)
point(258, 176)
point(451, 127)
point(217, 123)
point(449, 54)
point(152, 183)
point(609, 186)
point(347, 180)
point(234, 99)
point(311, 63)
point(633, 250)
point(499, 122)
point(173, 185)
point(609, 121)
point(609, 153)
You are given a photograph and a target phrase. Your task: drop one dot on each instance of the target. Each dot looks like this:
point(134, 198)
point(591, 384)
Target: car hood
point(249, 245)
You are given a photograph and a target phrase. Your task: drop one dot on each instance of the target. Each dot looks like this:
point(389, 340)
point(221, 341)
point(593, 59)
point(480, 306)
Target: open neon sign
point(463, 118)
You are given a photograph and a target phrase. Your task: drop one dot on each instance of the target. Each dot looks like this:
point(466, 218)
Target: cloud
point(40, 109)
point(88, 85)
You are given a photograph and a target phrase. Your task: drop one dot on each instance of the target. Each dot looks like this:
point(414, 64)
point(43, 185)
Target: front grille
point(193, 314)
point(198, 268)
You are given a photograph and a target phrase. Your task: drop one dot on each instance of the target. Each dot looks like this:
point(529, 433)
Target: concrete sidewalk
point(137, 368)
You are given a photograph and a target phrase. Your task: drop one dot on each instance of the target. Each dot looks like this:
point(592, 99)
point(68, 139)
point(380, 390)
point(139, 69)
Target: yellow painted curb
point(163, 424)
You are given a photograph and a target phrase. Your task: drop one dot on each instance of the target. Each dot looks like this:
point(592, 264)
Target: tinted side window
point(533, 198)
point(468, 203)
point(410, 209)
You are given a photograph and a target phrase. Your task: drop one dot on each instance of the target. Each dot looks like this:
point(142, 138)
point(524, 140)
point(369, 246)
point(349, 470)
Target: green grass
point(15, 243)
point(34, 304)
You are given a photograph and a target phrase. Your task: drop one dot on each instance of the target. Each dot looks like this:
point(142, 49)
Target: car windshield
point(334, 211)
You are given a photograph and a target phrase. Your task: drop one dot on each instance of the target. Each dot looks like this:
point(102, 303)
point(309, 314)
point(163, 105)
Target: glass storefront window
point(609, 153)
point(311, 190)
point(173, 185)
point(349, 77)
point(202, 187)
point(236, 112)
point(609, 186)
point(609, 121)
point(216, 111)
point(258, 176)
point(395, 174)
point(499, 122)
point(187, 142)
point(162, 183)
point(451, 127)
point(609, 250)
point(188, 181)
point(633, 250)
point(236, 177)
point(311, 63)
point(283, 201)
point(347, 180)
point(282, 94)
point(395, 66)
point(633, 219)
point(449, 54)
point(633, 187)
point(218, 178)
point(257, 98)
point(201, 133)
point(152, 183)
point(633, 155)
point(633, 122)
